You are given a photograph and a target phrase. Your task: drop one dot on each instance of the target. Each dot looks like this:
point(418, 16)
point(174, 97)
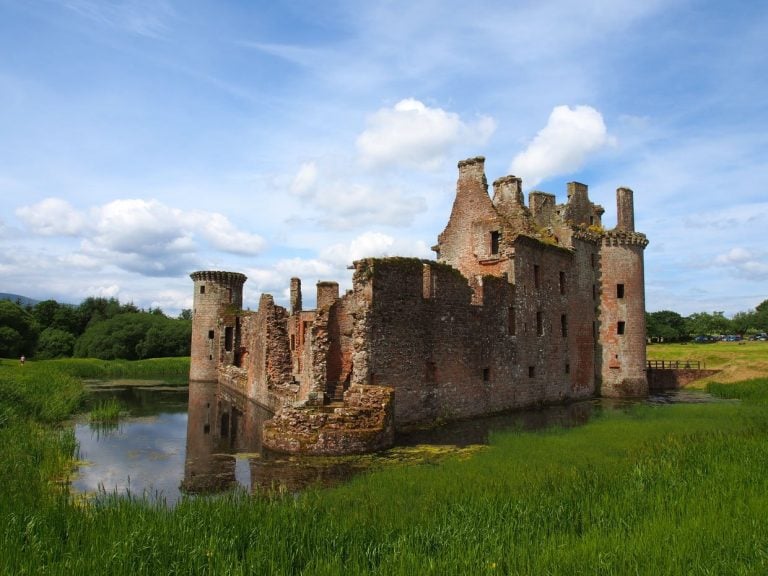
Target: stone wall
point(363, 424)
point(666, 379)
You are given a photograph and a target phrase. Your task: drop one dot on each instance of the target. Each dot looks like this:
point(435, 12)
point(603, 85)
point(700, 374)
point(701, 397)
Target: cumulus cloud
point(52, 217)
point(563, 145)
point(339, 201)
point(747, 264)
point(373, 244)
point(413, 134)
point(142, 236)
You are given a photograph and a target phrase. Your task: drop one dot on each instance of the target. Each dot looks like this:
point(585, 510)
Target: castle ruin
point(523, 306)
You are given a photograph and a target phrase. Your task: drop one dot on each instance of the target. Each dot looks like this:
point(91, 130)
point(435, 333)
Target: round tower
point(621, 337)
point(215, 294)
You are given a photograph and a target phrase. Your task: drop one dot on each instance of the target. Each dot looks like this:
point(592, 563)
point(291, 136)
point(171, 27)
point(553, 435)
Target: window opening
point(620, 328)
point(202, 289)
point(564, 325)
point(210, 334)
point(567, 368)
point(562, 282)
point(531, 371)
point(619, 290)
point(228, 338)
point(539, 324)
point(495, 236)
point(486, 374)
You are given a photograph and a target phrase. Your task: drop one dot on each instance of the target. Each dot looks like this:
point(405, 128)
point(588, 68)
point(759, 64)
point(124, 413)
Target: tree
point(185, 314)
point(135, 335)
point(705, 323)
point(19, 334)
point(55, 343)
point(665, 325)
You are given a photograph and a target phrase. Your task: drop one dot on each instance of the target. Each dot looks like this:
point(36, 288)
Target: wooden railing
point(676, 365)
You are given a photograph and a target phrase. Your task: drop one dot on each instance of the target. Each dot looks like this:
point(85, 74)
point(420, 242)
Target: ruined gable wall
point(268, 361)
point(467, 236)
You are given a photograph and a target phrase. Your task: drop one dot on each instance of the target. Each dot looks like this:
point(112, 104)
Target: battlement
point(220, 277)
point(624, 238)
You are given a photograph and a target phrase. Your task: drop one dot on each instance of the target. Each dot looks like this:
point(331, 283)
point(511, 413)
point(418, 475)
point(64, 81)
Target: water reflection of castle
point(224, 448)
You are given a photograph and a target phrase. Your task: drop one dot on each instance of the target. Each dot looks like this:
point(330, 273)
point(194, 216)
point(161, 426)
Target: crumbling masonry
point(524, 305)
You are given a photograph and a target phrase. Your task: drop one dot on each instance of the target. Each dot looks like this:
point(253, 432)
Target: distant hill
point(23, 300)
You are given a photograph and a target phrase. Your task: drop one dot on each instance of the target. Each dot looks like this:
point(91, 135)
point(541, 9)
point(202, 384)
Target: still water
point(179, 440)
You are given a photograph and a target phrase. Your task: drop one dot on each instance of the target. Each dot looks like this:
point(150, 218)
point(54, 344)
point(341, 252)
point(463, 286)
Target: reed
point(106, 412)
point(648, 490)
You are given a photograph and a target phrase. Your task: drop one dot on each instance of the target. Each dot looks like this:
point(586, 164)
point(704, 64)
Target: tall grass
point(106, 412)
point(665, 490)
point(91, 368)
point(679, 489)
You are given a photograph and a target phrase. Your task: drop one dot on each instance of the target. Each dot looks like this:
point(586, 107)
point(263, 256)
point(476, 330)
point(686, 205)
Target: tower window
point(567, 368)
point(619, 290)
point(228, 338)
point(495, 236)
point(210, 334)
point(620, 327)
point(202, 289)
point(564, 325)
point(531, 371)
point(486, 374)
point(539, 324)
point(562, 282)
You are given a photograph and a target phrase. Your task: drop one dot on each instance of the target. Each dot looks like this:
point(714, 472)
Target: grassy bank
point(664, 490)
point(90, 368)
point(737, 361)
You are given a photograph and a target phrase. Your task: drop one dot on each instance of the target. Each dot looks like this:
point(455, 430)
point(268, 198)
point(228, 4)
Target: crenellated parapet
point(219, 277)
point(624, 238)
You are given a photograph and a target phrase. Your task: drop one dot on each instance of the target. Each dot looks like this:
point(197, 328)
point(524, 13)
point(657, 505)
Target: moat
point(190, 440)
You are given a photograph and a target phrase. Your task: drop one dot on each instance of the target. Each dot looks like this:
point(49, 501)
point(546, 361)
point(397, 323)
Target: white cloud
point(143, 17)
point(373, 244)
point(416, 135)
point(305, 179)
point(736, 255)
point(563, 145)
point(223, 235)
point(338, 200)
point(52, 217)
point(745, 263)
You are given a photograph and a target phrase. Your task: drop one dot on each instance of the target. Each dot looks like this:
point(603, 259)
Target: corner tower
point(622, 305)
point(215, 294)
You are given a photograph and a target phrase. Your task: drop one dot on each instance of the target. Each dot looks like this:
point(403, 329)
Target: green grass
point(679, 489)
point(738, 361)
point(106, 412)
point(91, 368)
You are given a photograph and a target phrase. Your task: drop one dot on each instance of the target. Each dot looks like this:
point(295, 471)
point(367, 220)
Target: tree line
point(669, 326)
point(97, 328)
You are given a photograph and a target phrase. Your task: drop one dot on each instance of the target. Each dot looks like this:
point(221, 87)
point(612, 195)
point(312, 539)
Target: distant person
point(22, 360)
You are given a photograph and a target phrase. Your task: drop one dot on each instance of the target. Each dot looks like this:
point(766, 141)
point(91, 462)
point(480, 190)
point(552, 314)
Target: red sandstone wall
point(448, 358)
point(623, 355)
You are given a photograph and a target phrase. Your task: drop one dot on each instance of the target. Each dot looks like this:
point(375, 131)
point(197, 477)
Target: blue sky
point(141, 140)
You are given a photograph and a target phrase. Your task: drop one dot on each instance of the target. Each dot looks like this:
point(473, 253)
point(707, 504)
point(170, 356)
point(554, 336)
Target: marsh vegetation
point(646, 490)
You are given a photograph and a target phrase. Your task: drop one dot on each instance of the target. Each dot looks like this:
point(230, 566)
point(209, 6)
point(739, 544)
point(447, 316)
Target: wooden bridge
point(673, 374)
point(676, 365)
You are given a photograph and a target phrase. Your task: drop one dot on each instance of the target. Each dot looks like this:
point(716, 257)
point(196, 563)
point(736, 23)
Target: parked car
point(704, 339)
